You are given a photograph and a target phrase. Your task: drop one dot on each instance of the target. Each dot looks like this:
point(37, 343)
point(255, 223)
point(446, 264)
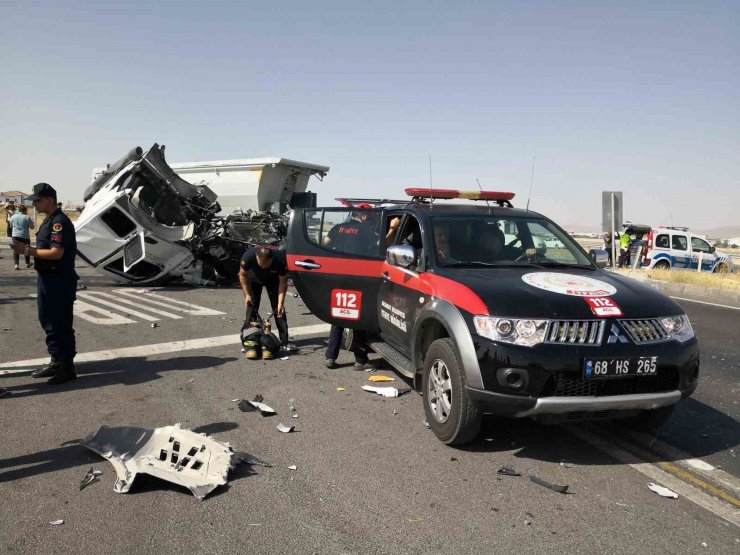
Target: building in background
point(18, 196)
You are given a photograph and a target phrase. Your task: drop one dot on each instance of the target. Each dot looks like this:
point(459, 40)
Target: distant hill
point(724, 232)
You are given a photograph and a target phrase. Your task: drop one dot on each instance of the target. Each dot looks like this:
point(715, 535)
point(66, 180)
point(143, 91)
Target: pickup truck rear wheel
point(449, 412)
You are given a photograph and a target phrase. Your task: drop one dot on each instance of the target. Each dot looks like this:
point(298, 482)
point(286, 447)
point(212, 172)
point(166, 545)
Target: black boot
point(48, 370)
point(65, 373)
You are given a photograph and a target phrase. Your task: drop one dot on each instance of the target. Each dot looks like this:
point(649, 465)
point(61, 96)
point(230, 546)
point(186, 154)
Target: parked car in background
point(677, 247)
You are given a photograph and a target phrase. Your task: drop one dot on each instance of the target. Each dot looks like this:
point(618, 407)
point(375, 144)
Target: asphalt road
point(370, 477)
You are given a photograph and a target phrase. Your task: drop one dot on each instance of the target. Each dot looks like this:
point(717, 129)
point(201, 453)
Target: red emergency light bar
point(496, 196)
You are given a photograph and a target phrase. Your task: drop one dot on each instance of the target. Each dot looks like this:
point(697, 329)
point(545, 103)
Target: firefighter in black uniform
point(54, 256)
point(266, 267)
point(355, 236)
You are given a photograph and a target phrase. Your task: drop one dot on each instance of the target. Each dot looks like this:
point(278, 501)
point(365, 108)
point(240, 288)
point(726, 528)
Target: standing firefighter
point(265, 267)
point(54, 254)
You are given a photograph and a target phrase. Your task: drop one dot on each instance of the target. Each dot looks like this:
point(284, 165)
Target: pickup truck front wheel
point(449, 412)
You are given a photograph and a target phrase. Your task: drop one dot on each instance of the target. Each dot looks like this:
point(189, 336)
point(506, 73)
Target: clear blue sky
point(642, 97)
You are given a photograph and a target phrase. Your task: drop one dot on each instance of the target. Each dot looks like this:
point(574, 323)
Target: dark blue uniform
point(57, 285)
point(257, 277)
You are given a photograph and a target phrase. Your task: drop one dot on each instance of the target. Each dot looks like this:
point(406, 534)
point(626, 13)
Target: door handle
point(308, 264)
point(385, 275)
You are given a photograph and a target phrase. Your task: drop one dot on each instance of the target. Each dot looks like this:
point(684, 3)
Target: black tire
point(650, 420)
point(448, 410)
point(662, 265)
point(721, 268)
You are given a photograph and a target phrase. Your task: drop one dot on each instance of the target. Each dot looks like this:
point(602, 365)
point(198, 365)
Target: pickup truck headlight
point(517, 331)
point(678, 327)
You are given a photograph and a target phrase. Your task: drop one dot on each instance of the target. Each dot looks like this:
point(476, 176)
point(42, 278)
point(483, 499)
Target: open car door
point(337, 280)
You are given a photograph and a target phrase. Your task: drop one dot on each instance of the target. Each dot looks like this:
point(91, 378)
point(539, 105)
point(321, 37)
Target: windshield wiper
point(470, 263)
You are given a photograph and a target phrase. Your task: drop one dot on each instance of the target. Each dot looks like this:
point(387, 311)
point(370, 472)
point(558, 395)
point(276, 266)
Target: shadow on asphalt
point(549, 443)
point(127, 371)
point(51, 460)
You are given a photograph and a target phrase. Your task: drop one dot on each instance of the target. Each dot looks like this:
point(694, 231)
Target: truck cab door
point(339, 282)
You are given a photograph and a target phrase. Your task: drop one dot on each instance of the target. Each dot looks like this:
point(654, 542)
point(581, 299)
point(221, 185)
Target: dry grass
point(705, 279)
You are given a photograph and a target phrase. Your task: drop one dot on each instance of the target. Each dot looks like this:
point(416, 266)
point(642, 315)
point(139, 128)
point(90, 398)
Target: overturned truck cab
point(144, 224)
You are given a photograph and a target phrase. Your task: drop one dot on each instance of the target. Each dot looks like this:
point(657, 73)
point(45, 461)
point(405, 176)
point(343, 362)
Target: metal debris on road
point(183, 457)
point(508, 471)
point(554, 487)
point(663, 492)
point(285, 429)
point(92, 476)
point(155, 325)
point(256, 404)
point(380, 378)
point(251, 460)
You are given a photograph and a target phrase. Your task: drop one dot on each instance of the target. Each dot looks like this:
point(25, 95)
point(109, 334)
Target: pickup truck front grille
point(565, 384)
point(645, 331)
point(577, 332)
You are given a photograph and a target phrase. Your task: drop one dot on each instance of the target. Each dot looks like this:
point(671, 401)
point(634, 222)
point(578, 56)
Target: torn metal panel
point(143, 223)
point(194, 461)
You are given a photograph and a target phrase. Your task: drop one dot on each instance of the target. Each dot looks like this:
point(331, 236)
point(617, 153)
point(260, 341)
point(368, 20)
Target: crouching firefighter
point(54, 254)
point(265, 267)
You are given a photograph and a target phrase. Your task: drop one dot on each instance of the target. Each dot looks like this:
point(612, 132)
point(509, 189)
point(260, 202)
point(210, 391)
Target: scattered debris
point(183, 457)
point(554, 487)
point(489, 439)
point(81, 287)
point(92, 476)
point(285, 429)
point(191, 380)
point(663, 492)
point(566, 464)
point(380, 378)
point(341, 389)
point(508, 471)
point(292, 467)
point(385, 391)
point(155, 325)
point(284, 358)
point(704, 544)
point(57, 522)
point(395, 412)
point(256, 404)
point(453, 459)
point(143, 291)
point(235, 400)
point(426, 423)
point(251, 460)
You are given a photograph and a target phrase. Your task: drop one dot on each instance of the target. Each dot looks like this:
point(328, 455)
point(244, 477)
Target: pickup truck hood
point(560, 293)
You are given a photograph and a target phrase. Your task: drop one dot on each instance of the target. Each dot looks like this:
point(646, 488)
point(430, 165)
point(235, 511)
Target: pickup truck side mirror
point(401, 255)
point(712, 250)
point(600, 257)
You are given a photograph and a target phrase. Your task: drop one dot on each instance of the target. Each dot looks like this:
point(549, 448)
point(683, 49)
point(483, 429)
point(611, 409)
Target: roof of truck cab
point(247, 163)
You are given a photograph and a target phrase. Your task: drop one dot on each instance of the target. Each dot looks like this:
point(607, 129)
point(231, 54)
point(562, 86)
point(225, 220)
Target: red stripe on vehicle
point(427, 283)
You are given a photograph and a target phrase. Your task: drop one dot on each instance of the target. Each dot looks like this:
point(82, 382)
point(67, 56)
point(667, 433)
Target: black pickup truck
point(493, 309)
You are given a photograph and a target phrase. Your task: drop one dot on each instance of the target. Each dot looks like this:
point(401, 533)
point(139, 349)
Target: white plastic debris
point(194, 461)
point(384, 391)
point(263, 408)
point(57, 522)
point(284, 358)
point(663, 492)
point(292, 467)
point(285, 429)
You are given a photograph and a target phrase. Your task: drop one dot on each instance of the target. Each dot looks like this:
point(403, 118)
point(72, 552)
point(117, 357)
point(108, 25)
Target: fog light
point(512, 378)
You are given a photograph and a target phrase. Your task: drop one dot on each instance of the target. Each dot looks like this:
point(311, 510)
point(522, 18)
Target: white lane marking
point(172, 304)
point(94, 294)
point(698, 464)
point(25, 366)
point(704, 500)
point(86, 311)
point(705, 302)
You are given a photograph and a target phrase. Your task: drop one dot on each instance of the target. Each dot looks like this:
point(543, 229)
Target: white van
point(677, 247)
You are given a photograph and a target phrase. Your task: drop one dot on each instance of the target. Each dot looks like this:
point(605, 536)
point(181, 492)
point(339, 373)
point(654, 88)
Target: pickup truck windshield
point(487, 240)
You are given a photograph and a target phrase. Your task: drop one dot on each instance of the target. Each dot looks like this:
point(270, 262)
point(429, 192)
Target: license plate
point(619, 367)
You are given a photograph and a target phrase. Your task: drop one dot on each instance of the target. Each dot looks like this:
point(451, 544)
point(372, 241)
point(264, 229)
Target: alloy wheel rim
point(439, 391)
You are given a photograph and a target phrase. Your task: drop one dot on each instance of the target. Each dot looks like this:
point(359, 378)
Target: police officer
point(265, 267)
point(55, 252)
